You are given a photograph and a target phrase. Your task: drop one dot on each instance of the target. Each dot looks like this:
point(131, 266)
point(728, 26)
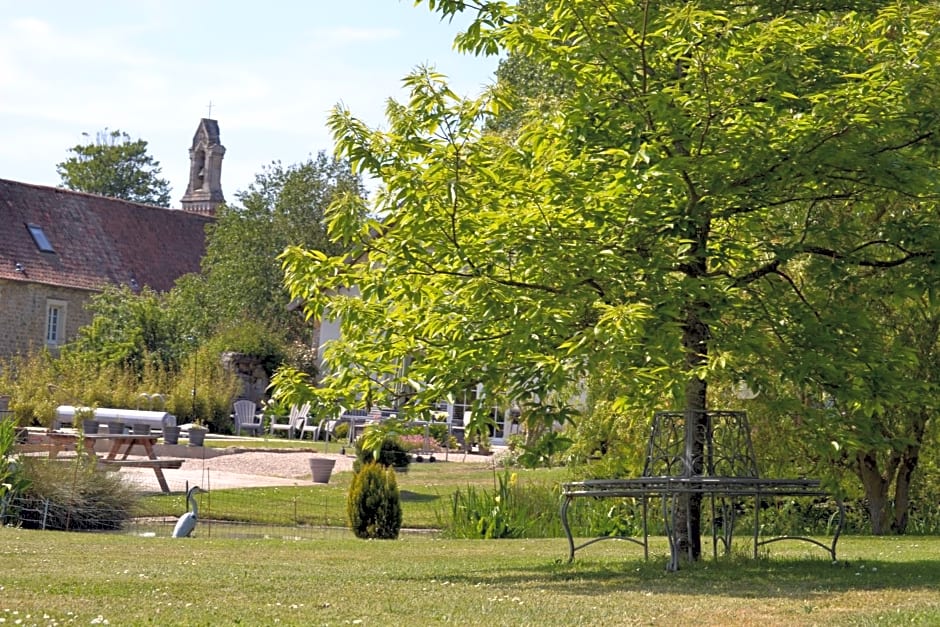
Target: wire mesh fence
point(296, 517)
point(297, 510)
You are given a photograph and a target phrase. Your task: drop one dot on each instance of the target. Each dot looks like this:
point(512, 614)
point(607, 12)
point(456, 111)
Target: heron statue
point(187, 522)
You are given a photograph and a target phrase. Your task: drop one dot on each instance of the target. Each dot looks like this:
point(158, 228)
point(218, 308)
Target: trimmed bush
point(374, 504)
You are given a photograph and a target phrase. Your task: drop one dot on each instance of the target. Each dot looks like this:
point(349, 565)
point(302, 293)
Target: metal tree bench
point(725, 474)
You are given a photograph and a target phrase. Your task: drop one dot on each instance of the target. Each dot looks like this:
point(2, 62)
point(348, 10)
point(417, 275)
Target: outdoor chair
point(246, 417)
point(294, 422)
point(313, 429)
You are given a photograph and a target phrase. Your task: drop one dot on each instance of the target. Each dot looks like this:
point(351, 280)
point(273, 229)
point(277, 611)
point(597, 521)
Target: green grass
point(270, 442)
point(425, 491)
point(55, 578)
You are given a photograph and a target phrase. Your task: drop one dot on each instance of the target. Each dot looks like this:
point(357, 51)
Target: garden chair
point(246, 417)
point(312, 429)
point(295, 421)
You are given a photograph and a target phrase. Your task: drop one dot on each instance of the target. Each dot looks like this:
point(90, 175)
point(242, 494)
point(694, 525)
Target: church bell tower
point(204, 192)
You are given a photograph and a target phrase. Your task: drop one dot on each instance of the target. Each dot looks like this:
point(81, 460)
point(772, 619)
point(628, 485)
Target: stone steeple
point(204, 191)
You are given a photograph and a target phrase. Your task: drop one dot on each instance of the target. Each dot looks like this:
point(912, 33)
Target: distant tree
point(524, 83)
point(129, 329)
point(286, 205)
point(115, 166)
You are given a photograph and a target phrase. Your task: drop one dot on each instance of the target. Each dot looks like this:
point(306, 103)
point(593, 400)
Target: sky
point(150, 68)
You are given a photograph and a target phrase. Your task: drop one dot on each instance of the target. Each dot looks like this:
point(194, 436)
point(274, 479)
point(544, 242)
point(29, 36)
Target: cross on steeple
point(210, 110)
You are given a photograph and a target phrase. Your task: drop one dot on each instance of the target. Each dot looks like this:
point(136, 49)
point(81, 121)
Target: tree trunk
point(902, 494)
point(688, 523)
point(899, 468)
point(906, 468)
point(876, 491)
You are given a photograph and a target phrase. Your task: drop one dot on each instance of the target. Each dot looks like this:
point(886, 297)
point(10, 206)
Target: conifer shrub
point(374, 503)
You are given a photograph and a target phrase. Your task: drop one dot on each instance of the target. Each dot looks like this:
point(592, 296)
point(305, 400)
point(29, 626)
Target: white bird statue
point(187, 522)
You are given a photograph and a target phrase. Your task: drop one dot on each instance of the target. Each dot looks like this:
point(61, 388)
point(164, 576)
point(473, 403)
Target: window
point(55, 322)
point(39, 236)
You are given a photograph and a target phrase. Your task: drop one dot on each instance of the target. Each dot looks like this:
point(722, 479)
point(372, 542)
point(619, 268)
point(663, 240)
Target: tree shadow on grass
point(417, 497)
point(726, 577)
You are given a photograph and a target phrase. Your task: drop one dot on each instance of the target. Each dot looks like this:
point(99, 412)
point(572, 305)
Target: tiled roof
point(97, 240)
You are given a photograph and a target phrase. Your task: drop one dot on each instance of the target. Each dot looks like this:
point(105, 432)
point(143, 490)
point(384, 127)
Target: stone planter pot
point(171, 435)
point(139, 429)
point(321, 468)
point(115, 428)
point(89, 426)
point(197, 437)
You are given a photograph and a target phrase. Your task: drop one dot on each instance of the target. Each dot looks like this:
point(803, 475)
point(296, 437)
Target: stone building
point(59, 247)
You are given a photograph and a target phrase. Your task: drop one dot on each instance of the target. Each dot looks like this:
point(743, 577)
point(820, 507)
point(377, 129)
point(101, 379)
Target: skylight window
point(42, 242)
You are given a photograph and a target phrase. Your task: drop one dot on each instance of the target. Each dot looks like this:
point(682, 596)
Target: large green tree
point(715, 173)
point(114, 165)
point(286, 205)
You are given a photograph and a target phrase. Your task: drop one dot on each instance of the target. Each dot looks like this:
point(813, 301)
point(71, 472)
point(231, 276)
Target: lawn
point(426, 490)
point(57, 578)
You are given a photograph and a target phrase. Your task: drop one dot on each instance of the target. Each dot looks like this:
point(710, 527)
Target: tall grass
point(37, 383)
point(510, 510)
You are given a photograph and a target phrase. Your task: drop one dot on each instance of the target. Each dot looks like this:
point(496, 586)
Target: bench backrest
point(726, 448)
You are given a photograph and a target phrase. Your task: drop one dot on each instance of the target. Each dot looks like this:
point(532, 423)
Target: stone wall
point(23, 314)
point(253, 376)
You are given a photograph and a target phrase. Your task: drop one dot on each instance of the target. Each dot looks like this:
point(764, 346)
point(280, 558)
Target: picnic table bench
point(728, 474)
point(119, 449)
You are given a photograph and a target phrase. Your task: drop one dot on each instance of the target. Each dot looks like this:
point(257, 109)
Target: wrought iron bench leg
point(564, 525)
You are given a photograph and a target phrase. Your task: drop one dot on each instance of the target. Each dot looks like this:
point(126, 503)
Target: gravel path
point(289, 465)
point(251, 468)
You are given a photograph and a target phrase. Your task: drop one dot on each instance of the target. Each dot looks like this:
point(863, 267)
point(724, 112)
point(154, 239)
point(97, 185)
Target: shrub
point(250, 337)
point(11, 475)
point(374, 504)
point(216, 389)
point(412, 443)
point(341, 431)
point(70, 496)
point(27, 379)
point(392, 453)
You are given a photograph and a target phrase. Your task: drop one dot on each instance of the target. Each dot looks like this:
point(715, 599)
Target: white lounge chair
point(295, 421)
point(246, 417)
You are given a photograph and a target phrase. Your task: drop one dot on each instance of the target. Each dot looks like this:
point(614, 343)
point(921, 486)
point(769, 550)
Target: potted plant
point(171, 434)
point(197, 433)
point(84, 417)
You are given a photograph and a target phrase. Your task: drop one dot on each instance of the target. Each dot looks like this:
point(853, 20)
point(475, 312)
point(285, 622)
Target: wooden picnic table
point(128, 442)
point(118, 451)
